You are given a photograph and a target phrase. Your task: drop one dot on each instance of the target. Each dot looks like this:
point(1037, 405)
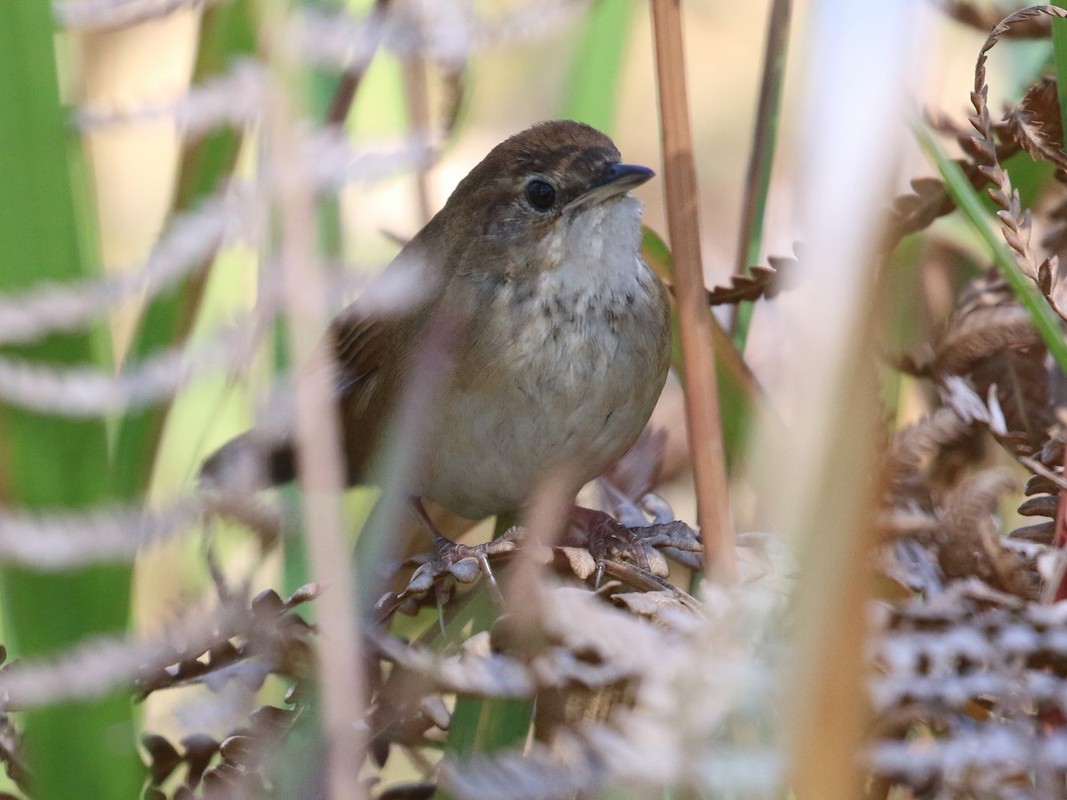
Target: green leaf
point(226, 33)
point(764, 138)
point(46, 228)
point(593, 82)
point(1059, 48)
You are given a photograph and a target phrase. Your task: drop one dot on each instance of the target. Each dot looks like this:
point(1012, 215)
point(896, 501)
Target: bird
point(558, 332)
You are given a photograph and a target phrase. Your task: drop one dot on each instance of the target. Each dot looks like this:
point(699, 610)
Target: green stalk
point(761, 159)
point(592, 83)
point(225, 33)
point(968, 201)
point(1059, 48)
point(46, 228)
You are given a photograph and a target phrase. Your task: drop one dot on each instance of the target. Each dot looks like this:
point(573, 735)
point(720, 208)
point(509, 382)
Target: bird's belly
point(569, 398)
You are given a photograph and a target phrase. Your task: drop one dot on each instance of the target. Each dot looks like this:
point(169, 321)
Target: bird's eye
point(540, 195)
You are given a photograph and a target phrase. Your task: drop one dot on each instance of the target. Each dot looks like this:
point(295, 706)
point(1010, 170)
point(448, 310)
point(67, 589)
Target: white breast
point(575, 384)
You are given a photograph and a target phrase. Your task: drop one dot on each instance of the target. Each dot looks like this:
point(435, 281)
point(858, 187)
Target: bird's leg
point(448, 553)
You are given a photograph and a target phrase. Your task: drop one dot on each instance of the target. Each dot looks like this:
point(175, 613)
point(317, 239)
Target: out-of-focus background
point(505, 88)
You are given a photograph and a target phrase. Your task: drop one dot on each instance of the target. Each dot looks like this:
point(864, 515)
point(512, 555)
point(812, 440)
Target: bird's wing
point(360, 346)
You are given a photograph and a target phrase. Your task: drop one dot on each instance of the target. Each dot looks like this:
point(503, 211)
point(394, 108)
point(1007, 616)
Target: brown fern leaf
point(1034, 124)
point(930, 200)
point(760, 282)
point(971, 545)
point(914, 447)
point(1023, 392)
point(1052, 280)
point(1043, 490)
point(1014, 222)
point(991, 342)
point(983, 17)
point(972, 336)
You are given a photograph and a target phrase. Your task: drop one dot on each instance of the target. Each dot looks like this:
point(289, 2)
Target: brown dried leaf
point(652, 605)
point(1015, 222)
point(978, 334)
point(1035, 125)
point(1055, 240)
point(761, 282)
point(971, 544)
point(580, 561)
point(914, 446)
point(983, 17)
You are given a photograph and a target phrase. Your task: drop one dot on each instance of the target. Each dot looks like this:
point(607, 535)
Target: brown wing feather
point(360, 347)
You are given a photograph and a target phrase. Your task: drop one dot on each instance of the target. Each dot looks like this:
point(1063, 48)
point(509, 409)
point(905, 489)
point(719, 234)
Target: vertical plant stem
point(318, 435)
point(825, 496)
point(694, 315)
point(761, 159)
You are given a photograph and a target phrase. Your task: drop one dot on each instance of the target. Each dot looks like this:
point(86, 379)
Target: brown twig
point(345, 94)
point(695, 321)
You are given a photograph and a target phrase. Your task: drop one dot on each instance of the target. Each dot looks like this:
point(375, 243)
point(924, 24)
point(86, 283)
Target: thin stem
point(761, 159)
point(318, 437)
point(694, 315)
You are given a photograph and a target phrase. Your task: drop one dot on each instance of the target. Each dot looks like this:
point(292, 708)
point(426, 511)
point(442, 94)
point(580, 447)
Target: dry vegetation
point(586, 665)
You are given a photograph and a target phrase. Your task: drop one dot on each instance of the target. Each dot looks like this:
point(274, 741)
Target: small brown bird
point(559, 332)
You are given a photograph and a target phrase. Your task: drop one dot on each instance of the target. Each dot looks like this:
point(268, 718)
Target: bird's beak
point(615, 180)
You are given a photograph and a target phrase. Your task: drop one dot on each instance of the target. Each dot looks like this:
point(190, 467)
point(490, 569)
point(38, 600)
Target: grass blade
point(226, 32)
point(969, 202)
point(85, 749)
point(592, 85)
point(761, 159)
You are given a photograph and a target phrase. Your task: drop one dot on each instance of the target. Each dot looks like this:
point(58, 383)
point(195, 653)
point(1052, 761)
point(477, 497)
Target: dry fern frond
point(1015, 223)
point(914, 448)
point(971, 545)
point(930, 199)
point(1055, 240)
point(981, 676)
point(759, 283)
point(972, 336)
point(1035, 125)
point(991, 341)
point(232, 100)
point(89, 392)
point(230, 767)
point(983, 17)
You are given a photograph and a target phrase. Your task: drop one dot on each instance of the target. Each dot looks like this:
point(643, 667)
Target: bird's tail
point(248, 463)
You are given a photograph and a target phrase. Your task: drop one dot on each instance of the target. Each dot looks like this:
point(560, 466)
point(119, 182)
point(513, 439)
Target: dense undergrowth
point(604, 668)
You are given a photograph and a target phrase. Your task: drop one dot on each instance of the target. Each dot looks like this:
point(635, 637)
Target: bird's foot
point(452, 562)
point(607, 539)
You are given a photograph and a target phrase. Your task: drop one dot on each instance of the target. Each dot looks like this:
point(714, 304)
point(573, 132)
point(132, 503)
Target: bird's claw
point(607, 539)
point(451, 561)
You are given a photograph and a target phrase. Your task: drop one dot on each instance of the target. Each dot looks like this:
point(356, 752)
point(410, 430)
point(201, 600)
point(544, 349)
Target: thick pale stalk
point(318, 437)
point(823, 477)
point(694, 314)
